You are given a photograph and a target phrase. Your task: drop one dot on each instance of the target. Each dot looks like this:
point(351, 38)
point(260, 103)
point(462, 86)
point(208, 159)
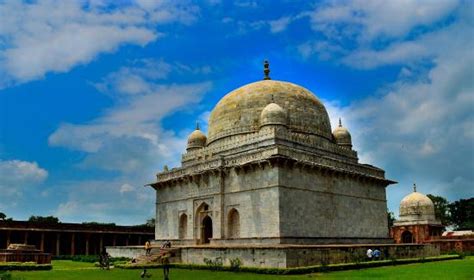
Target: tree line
point(51, 220)
point(458, 214)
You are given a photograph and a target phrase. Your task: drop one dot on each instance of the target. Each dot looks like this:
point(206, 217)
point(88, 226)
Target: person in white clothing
point(369, 254)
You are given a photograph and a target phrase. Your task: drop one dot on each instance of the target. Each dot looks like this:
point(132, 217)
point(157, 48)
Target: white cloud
point(279, 24)
point(131, 127)
point(126, 188)
point(54, 36)
point(105, 201)
point(246, 4)
point(127, 140)
point(132, 124)
point(377, 19)
point(369, 34)
point(17, 176)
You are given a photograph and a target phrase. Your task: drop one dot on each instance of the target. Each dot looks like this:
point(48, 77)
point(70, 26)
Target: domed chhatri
point(417, 206)
point(417, 221)
point(239, 111)
point(273, 114)
point(342, 136)
point(196, 139)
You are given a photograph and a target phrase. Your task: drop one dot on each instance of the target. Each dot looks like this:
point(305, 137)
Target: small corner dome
point(273, 114)
point(196, 139)
point(417, 204)
point(342, 136)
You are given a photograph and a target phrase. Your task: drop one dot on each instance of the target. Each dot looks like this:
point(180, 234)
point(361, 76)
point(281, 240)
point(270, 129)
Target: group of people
point(373, 254)
point(165, 255)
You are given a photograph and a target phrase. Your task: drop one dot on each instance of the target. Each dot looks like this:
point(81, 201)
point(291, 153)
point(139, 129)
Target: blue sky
point(96, 96)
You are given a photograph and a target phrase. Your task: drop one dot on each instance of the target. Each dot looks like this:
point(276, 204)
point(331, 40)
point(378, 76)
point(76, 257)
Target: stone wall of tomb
point(327, 205)
point(253, 193)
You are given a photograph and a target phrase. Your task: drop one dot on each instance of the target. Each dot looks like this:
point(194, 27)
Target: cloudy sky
point(96, 96)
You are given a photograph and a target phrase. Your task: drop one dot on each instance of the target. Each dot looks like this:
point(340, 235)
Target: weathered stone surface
point(239, 111)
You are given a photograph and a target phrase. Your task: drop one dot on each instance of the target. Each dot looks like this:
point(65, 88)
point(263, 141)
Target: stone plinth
point(286, 256)
point(24, 253)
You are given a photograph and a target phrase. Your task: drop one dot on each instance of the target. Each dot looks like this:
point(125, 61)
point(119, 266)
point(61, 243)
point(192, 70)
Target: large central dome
point(239, 111)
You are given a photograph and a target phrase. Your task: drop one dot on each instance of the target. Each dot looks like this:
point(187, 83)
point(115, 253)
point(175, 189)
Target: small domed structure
point(196, 140)
point(273, 114)
point(342, 136)
point(417, 206)
point(417, 222)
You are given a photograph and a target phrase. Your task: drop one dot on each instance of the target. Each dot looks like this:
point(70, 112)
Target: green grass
point(68, 270)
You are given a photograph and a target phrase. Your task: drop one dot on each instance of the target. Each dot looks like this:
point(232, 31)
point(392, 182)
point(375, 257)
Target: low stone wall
point(298, 257)
point(125, 251)
point(254, 257)
point(461, 245)
point(286, 256)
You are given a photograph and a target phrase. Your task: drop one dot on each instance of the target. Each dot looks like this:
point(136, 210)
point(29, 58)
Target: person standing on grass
point(104, 259)
point(165, 260)
point(147, 248)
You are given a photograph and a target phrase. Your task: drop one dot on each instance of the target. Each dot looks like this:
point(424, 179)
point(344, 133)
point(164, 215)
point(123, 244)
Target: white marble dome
point(239, 111)
point(417, 206)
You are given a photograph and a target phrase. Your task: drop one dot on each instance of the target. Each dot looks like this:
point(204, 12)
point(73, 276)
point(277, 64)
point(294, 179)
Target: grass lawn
point(68, 270)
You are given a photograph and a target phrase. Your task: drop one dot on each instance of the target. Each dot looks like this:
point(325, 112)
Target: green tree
point(441, 209)
point(44, 220)
point(150, 222)
point(390, 218)
point(462, 213)
point(2, 216)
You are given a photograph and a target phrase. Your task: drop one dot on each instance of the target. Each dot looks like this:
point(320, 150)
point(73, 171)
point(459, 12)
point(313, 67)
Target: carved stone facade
point(271, 172)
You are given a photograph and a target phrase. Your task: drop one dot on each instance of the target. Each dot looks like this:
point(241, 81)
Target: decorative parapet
point(270, 155)
point(311, 142)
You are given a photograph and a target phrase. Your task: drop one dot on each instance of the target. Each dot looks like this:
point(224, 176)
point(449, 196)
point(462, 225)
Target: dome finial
point(266, 70)
point(414, 187)
point(273, 100)
point(340, 123)
point(197, 126)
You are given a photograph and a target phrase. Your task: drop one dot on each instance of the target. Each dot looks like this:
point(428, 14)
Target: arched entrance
point(407, 237)
point(206, 229)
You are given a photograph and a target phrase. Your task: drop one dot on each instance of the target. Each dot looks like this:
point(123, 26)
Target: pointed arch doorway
point(203, 224)
point(206, 230)
point(407, 237)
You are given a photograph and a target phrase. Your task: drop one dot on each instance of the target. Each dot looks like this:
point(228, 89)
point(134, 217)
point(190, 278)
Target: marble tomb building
point(271, 171)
